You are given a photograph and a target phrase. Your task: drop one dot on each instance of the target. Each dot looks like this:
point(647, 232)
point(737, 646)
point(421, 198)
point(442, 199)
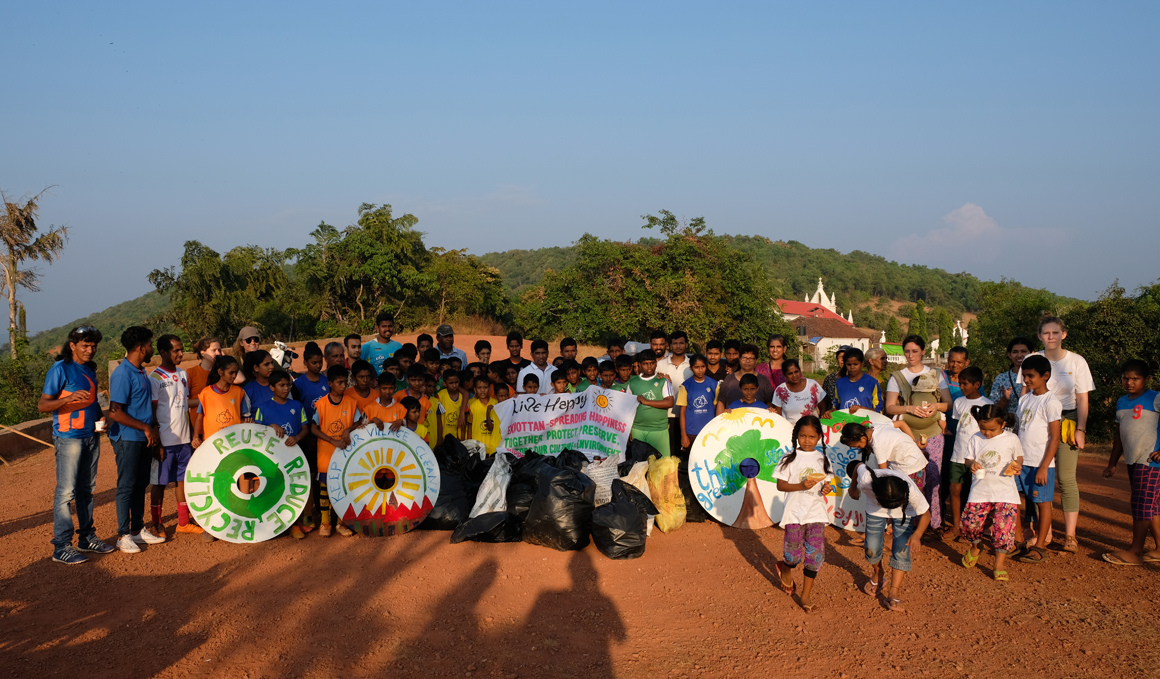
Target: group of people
point(952, 462)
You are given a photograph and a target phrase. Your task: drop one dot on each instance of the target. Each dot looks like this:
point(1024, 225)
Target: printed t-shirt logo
point(700, 402)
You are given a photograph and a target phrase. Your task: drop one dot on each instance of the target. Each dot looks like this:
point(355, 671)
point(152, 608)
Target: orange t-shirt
point(333, 419)
point(361, 402)
point(424, 403)
point(198, 380)
point(221, 410)
point(386, 414)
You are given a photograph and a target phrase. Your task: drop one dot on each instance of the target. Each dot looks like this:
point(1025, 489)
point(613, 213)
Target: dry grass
point(467, 325)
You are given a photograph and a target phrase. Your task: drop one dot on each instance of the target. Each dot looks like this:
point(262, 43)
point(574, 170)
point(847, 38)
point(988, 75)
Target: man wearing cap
point(445, 343)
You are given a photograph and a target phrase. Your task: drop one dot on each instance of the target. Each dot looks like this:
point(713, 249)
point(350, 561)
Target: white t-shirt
point(909, 375)
point(1035, 413)
point(1070, 375)
point(994, 454)
point(543, 375)
point(803, 506)
point(968, 427)
point(897, 450)
point(794, 404)
point(677, 374)
point(916, 505)
point(171, 395)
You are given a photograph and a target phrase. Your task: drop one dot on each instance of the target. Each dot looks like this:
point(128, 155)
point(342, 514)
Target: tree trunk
point(10, 280)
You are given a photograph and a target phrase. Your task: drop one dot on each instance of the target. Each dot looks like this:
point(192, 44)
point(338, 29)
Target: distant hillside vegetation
point(111, 322)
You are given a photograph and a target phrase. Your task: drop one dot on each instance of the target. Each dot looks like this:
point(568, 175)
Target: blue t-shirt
point(311, 392)
point(866, 393)
point(76, 420)
point(742, 404)
point(130, 387)
point(956, 394)
point(699, 402)
point(258, 394)
point(375, 352)
point(291, 416)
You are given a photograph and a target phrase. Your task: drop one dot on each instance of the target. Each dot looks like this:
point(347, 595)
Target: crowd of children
point(991, 476)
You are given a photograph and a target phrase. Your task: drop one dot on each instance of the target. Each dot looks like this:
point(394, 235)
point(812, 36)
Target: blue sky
point(1004, 140)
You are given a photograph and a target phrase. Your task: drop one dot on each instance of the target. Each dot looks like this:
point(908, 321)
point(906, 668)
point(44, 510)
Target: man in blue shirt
point(134, 435)
point(70, 394)
point(445, 343)
point(381, 347)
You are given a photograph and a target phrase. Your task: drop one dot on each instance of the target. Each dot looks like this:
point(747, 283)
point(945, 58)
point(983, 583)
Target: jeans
point(899, 549)
point(76, 480)
point(133, 464)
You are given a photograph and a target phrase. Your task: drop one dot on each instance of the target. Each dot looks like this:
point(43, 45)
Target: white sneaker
point(125, 544)
point(147, 538)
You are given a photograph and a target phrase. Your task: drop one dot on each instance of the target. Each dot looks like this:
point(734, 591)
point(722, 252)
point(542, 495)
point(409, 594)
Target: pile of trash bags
point(552, 501)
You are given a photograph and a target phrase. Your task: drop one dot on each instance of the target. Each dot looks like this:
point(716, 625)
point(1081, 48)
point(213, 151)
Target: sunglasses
point(84, 328)
point(250, 340)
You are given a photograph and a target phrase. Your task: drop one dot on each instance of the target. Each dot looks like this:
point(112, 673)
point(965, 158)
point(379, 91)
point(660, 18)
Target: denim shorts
point(899, 548)
point(1033, 491)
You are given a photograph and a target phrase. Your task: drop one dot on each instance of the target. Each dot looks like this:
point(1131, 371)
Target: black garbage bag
point(637, 451)
point(694, 512)
point(571, 459)
point(519, 498)
point(490, 527)
point(561, 513)
point(460, 476)
point(527, 468)
point(619, 527)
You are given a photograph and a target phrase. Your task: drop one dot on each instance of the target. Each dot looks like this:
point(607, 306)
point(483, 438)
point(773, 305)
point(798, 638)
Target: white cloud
point(971, 234)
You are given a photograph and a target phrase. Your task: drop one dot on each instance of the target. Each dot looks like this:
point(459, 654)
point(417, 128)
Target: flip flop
point(895, 605)
point(1151, 559)
point(788, 589)
point(1000, 576)
point(1036, 555)
point(870, 588)
point(1117, 561)
point(969, 561)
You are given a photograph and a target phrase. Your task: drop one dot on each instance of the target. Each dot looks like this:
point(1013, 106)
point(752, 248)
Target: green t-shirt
point(654, 389)
point(580, 386)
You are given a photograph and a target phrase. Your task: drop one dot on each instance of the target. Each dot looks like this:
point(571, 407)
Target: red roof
point(809, 310)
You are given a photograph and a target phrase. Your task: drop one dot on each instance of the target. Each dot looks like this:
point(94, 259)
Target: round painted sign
point(731, 466)
point(244, 484)
point(846, 512)
point(384, 483)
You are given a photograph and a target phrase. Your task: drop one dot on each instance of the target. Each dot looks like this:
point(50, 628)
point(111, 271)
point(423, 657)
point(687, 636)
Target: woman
point(772, 369)
point(898, 392)
point(1006, 387)
point(798, 395)
point(249, 339)
point(1071, 380)
point(746, 365)
point(876, 365)
point(207, 349)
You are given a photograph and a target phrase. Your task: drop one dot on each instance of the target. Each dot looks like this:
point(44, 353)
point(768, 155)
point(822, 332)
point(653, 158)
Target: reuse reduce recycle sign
point(246, 453)
point(384, 482)
point(595, 422)
point(735, 456)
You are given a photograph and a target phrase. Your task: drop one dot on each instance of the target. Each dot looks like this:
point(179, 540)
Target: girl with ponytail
point(803, 474)
point(995, 457)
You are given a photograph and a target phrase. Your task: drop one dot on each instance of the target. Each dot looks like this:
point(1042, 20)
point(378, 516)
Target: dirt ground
point(699, 603)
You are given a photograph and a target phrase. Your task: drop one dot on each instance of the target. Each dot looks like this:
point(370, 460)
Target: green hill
point(111, 322)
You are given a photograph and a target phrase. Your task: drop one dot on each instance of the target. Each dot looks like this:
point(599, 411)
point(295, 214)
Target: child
point(970, 382)
point(288, 419)
point(623, 365)
point(334, 418)
point(502, 392)
point(257, 367)
point(390, 365)
point(890, 448)
point(222, 403)
point(615, 349)
point(431, 362)
point(858, 390)
point(958, 359)
point(607, 375)
point(431, 413)
point(308, 388)
point(417, 386)
point(413, 420)
point(206, 349)
point(1137, 417)
point(591, 369)
point(560, 382)
point(362, 378)
point(997, 456)
point(732, 356)
point(170, 388)
point(483, 351)
point(697, 401)
point(449, 404)
point(481, 423)
point(1040, 417)
point(801, 473)
point(406, 357)
point(749, 386)
point(572, 373)
point(654, 397)
point(531, 384)
point(886, 491)
point(385, 410)
point(511, 377)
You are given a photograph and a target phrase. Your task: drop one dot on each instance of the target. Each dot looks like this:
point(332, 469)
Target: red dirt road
point(698, 604)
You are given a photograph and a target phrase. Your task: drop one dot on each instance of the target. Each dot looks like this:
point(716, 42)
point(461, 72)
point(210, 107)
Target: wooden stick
point(30, 438)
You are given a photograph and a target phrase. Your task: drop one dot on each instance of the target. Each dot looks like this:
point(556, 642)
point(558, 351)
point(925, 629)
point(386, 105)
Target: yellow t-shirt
point(421, 430)
point(478, 410)
point(449, 411)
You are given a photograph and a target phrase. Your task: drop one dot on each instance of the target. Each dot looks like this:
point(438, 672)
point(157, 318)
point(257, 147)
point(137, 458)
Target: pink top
point(774, 375)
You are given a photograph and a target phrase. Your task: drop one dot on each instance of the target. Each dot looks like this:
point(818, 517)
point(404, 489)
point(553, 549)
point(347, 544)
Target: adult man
point(134, 434)
point(538, 367)
point(515, 346)
point(70, 394)
point(654, 396)
point(352, 347)
point(334, 354)
point(658, 341)
point(381, 346)
point(713, 356)
point(675, 368)
point(568, 349)
point(445, 343)
point(731, 387)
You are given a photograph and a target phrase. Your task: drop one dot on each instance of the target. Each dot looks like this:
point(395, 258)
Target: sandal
point(970, 561)
point(895, 605)
point(1036, 555)
point(1070, 544)
point(1111, 558)
point(870, 588)
point(999, 576)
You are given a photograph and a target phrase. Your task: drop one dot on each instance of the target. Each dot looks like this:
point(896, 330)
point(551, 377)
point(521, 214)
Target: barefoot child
point(1040, 418)
point(891, 499)
point(995, 458)
point(970, 381)
point(802, 474)
point(334, 418)
point(287, 417)
point(696, 400)
point(1138, 414)
point(481, 423)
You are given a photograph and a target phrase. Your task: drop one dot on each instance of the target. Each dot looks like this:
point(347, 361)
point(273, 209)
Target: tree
point(464, 286)
point(917, 325)
point(22, 243)
point(946, 330)
point(893, 330)
point(1008, 310)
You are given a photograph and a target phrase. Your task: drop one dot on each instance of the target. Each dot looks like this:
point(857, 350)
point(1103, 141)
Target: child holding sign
point(801, 473)
point(335, 415)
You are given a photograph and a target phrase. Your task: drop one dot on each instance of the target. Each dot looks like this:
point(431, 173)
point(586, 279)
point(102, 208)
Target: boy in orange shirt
point(335, 415)
point(386, 410)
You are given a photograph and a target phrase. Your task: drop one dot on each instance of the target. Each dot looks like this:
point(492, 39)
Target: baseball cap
point(444, 330)
point(248, 331)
